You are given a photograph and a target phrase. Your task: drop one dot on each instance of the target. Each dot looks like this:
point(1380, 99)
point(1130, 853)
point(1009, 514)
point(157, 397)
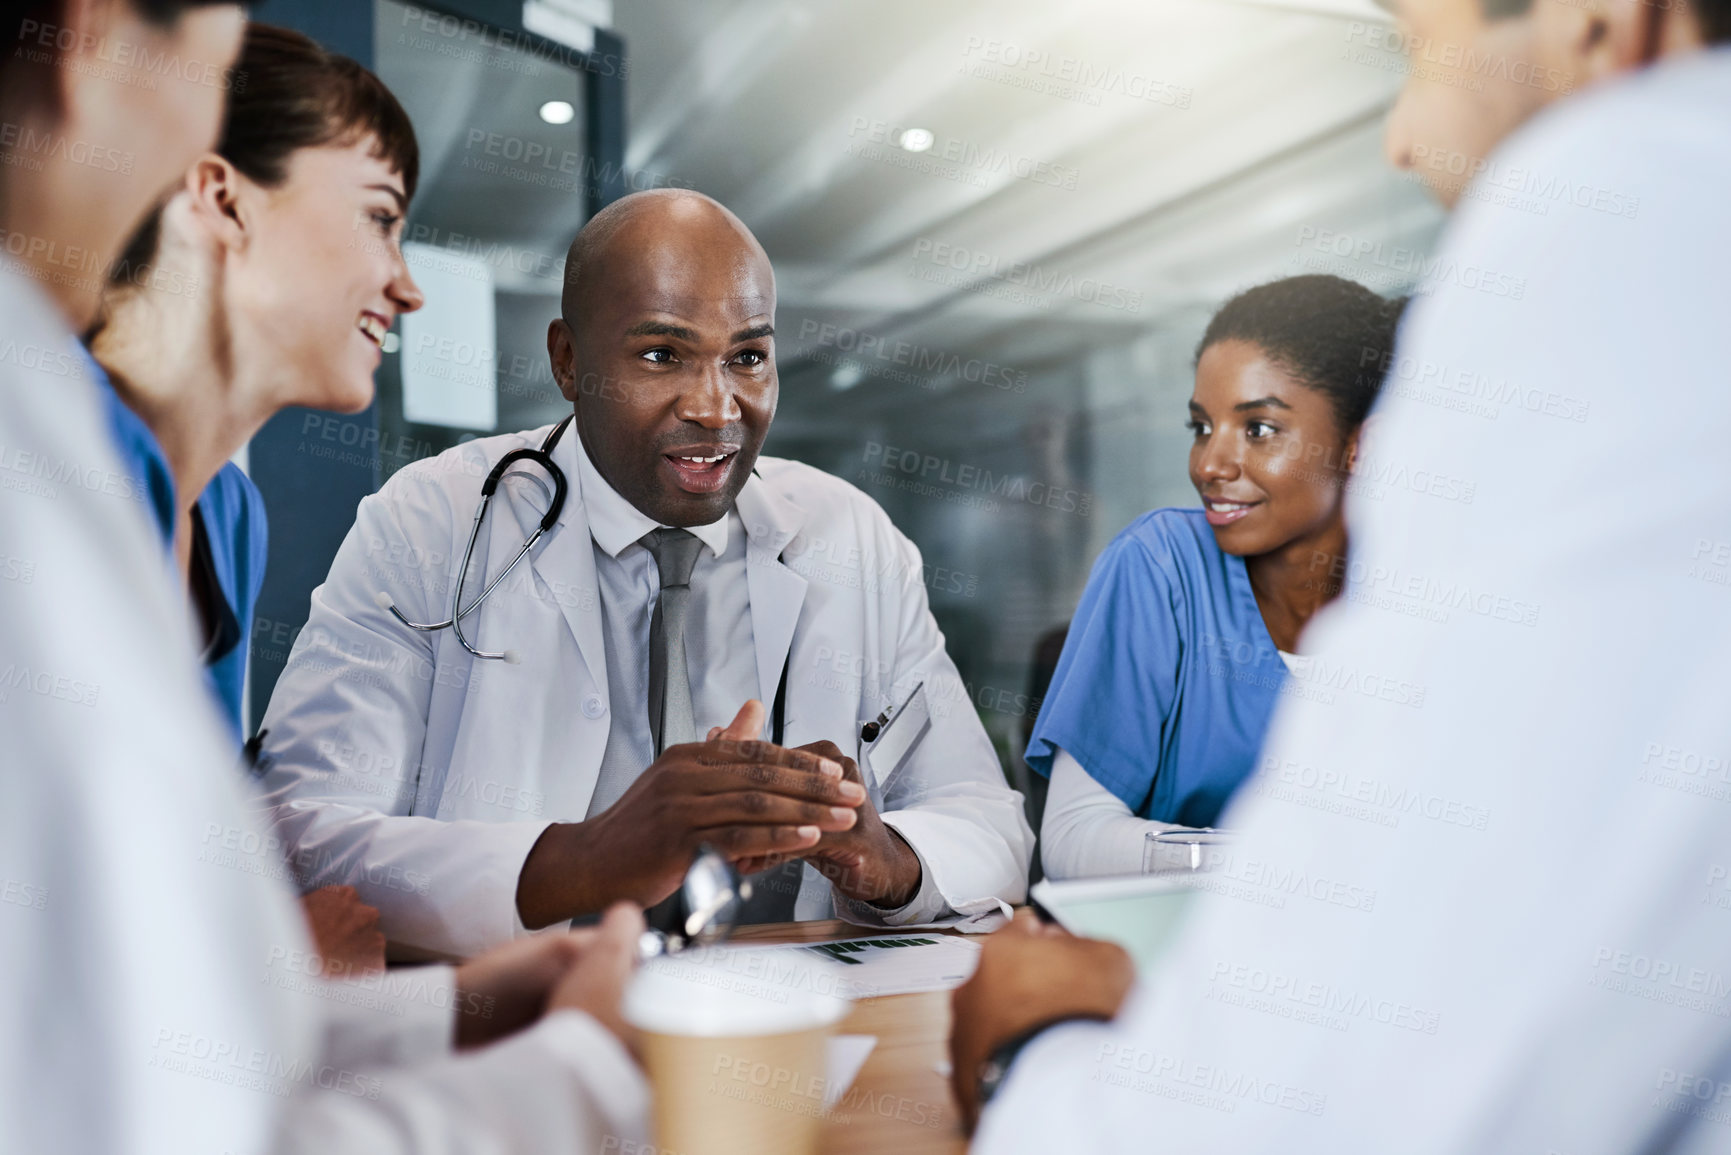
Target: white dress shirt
point(160, 994)
point(1493, 919)
point(719, 657)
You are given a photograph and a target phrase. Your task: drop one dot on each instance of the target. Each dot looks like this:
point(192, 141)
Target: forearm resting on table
point(1087, 830)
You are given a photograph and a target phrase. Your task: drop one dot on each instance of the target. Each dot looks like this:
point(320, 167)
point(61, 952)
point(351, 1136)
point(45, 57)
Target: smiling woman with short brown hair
point(266, 278)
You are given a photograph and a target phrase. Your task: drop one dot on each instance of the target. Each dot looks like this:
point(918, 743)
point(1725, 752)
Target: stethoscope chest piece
point(709, 902)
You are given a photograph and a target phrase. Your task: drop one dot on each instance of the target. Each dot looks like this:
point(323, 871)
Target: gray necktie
point(671, 720)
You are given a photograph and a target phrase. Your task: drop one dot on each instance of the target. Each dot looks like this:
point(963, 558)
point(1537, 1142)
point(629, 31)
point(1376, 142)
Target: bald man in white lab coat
point(1542, 962)
point(474, 800)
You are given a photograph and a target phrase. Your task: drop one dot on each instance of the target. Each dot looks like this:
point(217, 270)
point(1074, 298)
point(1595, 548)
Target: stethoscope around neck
point(542, 457)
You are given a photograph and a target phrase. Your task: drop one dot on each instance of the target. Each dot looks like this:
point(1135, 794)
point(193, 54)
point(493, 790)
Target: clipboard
point(898, 733)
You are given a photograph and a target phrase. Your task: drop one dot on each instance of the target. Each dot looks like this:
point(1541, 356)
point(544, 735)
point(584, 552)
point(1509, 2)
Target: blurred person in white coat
point(162, 993)
point(1494, 922)
point(685, 585)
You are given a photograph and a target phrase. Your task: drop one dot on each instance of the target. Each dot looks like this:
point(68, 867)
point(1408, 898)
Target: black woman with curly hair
point(1188, 630)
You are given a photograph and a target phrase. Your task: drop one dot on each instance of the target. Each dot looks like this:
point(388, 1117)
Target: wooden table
point(899, 1103)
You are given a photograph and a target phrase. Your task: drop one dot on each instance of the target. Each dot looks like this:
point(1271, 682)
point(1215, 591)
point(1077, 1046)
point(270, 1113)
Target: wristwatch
point(995, 1068)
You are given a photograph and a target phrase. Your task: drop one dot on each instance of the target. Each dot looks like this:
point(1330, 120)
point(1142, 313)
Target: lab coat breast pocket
point(887, 754)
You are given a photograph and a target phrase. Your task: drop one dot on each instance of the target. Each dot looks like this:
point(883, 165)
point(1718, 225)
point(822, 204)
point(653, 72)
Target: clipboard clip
point(869, 732)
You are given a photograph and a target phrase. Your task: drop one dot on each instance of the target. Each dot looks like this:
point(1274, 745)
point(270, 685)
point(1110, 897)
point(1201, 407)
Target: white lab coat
point(1479, 902)
point(159, 995)
point(402, 765)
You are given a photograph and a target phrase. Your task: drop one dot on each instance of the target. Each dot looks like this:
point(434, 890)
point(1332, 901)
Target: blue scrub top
point(140, 453)
point(1168, 677)
point(234, 524)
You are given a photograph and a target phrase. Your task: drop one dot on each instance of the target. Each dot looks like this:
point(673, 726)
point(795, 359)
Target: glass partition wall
point(999, 228)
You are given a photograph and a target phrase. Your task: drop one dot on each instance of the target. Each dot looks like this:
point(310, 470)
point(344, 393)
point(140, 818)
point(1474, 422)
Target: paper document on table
point(859, 968)
point(902, 964)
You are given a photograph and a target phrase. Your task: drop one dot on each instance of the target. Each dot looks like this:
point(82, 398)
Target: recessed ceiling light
point(916, 139)
point(558, 112)
point(846, 376)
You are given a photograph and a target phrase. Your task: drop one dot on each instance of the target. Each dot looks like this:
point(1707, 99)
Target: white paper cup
point(735, 1045)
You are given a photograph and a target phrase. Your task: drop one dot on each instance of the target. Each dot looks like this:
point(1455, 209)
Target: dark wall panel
point(313, 468)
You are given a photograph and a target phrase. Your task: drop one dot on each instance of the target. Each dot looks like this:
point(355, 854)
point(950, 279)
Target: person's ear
point(562, 353)
point(215, 194)
point(1601, 39)
point(1355, 444)
point(1570, 36)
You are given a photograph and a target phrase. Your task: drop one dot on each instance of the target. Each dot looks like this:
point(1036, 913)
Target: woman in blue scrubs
point(1188, 631)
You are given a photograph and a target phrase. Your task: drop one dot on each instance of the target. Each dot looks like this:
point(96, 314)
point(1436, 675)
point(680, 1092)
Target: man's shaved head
point(662, 214)
point(665, 348)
